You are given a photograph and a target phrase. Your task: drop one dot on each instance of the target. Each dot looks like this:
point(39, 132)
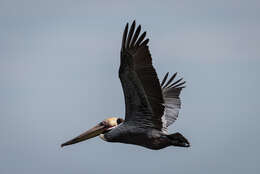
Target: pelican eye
point(118, 121)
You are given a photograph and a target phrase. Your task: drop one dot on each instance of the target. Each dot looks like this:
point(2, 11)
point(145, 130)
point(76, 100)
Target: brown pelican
point(150, 107)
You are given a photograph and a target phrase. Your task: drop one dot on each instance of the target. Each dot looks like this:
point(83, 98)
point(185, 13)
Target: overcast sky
point(58, 74)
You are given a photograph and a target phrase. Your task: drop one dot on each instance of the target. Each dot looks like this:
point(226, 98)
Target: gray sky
point(58, 74)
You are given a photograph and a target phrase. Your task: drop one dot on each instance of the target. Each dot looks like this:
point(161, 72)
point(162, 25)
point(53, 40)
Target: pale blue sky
point(58, 74)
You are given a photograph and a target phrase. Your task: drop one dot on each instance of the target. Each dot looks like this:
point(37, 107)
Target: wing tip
point(164, 79)
point(131, 38)
point(171, 84)
point(124, 37)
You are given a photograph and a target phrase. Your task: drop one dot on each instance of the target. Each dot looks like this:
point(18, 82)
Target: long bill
point(93, 132)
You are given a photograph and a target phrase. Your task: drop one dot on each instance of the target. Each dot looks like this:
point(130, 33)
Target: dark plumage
point(150, 107)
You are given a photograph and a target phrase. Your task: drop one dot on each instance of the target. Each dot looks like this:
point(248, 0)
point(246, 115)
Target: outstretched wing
point(171, 91)
point(142, 90)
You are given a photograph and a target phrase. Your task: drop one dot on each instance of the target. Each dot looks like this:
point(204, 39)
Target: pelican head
point(100, 129)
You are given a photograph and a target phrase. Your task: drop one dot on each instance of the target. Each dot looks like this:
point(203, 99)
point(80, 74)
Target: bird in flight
point(150, 106)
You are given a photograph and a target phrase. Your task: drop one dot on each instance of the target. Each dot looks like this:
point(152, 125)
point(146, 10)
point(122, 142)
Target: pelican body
point(150, 106)
point(147, 137)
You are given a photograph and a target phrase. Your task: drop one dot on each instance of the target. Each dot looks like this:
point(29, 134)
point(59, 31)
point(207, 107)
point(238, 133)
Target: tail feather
point(178, 139)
